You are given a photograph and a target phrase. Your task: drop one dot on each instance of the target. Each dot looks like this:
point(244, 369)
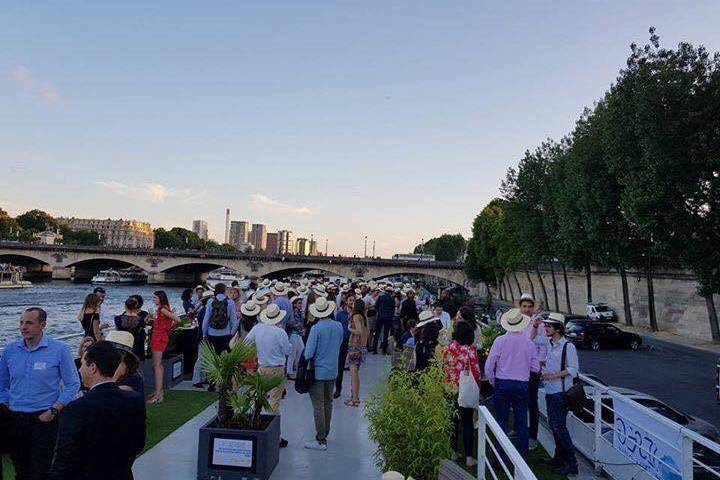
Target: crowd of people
point(333, 326)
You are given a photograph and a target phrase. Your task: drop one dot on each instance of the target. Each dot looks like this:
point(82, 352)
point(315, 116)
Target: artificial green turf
point(176, 409)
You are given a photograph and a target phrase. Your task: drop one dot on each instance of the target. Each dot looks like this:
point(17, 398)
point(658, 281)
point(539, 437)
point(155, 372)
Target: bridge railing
point(243, 256)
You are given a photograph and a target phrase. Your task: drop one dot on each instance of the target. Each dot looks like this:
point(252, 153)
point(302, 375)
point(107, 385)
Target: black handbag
point(574, 396)
point(305, 375)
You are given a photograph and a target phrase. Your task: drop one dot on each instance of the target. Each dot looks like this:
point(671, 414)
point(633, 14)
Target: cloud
point(25, 80)
point(152, 192)
point(261, 201)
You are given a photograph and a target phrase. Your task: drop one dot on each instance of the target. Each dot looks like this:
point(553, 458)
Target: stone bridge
point(186, 266)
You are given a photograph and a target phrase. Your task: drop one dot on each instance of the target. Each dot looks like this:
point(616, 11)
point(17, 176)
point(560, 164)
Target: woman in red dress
point(162, 323)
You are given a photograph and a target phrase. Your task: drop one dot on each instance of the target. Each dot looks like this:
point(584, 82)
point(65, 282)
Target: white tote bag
point(468, 390)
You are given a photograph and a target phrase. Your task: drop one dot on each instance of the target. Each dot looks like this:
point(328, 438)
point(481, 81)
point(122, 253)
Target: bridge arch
point(198, 267)
point(103, 263)
point(23, 260)
point(285, 271)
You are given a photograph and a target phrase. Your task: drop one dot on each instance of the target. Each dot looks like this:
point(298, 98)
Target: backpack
point(218, 314)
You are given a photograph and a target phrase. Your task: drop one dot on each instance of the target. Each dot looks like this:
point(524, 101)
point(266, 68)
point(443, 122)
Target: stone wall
point(678, 307)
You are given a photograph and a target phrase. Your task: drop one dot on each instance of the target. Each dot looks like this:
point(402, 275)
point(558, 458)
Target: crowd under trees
point(635, 185)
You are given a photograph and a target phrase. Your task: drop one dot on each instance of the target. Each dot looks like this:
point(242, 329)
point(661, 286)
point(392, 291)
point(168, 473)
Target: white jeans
point(297, 348)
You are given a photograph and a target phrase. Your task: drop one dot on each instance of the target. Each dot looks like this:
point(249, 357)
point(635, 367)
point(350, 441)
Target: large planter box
point(233, 454)
point(172, 371)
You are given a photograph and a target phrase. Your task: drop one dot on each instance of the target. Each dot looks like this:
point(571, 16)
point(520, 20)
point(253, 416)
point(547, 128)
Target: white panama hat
point(260, 299)
point(122, 340)
point(250, 308)
point(279, 289)
point(322, 308)
point(526, 297)
point(272, 315)
point(303, 290)
point(555, 318)
point(265, 283)
point(425, 317)
point(514, 321)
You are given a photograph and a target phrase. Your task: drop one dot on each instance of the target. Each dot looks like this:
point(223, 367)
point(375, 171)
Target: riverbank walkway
point(349, 455)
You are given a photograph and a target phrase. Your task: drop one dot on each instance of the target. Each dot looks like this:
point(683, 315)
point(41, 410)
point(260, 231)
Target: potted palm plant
point(240, 442)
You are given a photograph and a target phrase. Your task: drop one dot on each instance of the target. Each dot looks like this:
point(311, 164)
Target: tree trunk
point(507, 280)
point(588, 275)
point(552, 271)
point(542, 286)
point(488, 297)
point(498, 285)
point(626, 295)
point(532, 287)
point(712, 316)
point(567, 288)
point(517, 282)
point(651, 298)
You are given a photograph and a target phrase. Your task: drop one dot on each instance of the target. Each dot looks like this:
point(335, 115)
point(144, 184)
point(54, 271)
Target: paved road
point(682, 377)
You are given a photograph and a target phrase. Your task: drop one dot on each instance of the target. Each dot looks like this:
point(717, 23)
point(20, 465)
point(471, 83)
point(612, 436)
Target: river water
point(62, 301)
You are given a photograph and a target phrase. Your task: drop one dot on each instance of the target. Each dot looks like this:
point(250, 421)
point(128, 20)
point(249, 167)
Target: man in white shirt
point(272, 346)
point(442, 315)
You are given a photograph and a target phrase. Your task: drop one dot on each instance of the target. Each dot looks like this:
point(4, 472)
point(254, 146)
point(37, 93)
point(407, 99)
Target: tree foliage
point(446, 247)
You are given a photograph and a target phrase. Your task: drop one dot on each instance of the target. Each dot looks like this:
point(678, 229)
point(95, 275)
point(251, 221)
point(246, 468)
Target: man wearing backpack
point(220, 321)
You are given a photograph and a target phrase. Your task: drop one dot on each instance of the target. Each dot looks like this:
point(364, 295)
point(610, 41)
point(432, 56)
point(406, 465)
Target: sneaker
point(533, 444)
point(315, 445)
point(283, 443)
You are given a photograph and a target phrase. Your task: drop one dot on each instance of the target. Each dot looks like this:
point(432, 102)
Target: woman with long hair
point(357, 349)
point(163, 321)
point(89, 316)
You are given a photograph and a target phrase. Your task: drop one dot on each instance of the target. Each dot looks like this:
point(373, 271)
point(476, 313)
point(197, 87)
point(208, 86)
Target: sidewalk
point(349, 455)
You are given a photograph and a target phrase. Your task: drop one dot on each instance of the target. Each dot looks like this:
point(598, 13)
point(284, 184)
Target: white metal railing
point(593, 436)
point(505, 454)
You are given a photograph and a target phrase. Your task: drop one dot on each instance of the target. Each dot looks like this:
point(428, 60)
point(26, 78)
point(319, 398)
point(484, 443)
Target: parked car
point(596, 335)
point(600, 312)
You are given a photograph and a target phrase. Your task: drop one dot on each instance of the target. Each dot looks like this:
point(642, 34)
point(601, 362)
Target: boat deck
point(349, 455)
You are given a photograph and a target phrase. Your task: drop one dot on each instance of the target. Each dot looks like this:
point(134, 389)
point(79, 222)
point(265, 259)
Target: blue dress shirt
point(33, 380)
point(323, 345)
point(343, 316)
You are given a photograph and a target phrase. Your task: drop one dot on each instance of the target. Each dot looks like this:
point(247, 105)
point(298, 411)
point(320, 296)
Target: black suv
point(596, 335)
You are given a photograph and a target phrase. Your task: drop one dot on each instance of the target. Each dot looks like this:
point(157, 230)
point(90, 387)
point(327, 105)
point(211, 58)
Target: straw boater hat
point(265, 283)
point(555, 318)
point(358, 292)
point(272, 315)
point(122, 340)
point(322, 308)
point(207, 294)
point(304, 281)
point(303, 290)
point(425, 317)
point(279, 289)
point(250, 308)
point(514, 321)
point(261, 299)
point(320, 291)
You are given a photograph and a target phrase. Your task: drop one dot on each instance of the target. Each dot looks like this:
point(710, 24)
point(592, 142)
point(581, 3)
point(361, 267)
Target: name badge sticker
point(40, 366)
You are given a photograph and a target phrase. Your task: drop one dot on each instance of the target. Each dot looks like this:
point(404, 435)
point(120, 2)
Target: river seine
point(62, 301)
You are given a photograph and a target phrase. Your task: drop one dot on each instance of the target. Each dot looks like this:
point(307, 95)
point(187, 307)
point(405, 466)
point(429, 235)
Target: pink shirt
point(512, 357)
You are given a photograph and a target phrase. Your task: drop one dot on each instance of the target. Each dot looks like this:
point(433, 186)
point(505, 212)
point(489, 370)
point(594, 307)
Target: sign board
point(232, 452)
point(177, 369)
point(652, 444)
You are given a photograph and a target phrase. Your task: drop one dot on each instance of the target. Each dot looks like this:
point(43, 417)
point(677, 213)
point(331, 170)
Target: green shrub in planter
point(411, 422)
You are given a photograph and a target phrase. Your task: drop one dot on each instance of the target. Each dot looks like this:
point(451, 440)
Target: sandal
point(154, 401)
point(349, 402)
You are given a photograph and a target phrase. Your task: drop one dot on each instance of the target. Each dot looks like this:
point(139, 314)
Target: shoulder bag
point(305, 375)
point(575, 395)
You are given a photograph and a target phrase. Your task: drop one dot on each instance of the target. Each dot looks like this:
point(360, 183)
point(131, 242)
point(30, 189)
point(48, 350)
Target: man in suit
point(105, 416)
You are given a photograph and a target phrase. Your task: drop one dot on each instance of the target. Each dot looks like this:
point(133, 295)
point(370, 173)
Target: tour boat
point(11, 277)
point(226, 276)
point(126, 276)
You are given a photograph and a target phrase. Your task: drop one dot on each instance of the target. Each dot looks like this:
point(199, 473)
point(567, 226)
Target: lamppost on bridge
point(365, 251)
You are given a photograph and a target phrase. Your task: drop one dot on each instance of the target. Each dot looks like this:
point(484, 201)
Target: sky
point(391, 119)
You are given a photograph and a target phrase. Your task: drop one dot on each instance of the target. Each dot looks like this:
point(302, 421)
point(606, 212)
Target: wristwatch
point(54, 411)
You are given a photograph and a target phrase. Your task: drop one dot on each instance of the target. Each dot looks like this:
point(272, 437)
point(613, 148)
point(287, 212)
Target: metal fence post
point(686, 457)
point(481, 456)
point(597, 428)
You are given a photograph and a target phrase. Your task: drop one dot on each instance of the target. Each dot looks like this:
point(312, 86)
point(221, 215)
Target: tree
point(9, 228)
point(37, 221)
point(81, 237)
point(446, 247)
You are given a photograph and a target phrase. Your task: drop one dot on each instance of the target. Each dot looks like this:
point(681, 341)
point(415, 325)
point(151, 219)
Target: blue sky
point(394, 120)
